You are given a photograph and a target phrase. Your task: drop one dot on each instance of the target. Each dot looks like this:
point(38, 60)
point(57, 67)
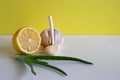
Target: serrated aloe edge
point(30, 60)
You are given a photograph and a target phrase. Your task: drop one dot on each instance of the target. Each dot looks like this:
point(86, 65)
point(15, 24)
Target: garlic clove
point(53, 50)
point(45, 38)
point(58, 39)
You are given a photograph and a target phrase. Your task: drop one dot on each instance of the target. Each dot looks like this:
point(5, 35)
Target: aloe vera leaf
point(49, 66)
point(31, 67)
point(55, 58)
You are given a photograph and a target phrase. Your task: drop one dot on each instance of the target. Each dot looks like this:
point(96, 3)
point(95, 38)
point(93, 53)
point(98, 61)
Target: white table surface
point(103, 51)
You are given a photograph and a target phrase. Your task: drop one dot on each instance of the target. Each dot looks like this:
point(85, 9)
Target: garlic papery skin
point(53, 50)
point(46, 39)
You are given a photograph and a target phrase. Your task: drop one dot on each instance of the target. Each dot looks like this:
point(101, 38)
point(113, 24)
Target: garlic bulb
point(51, 39)
point(46, 39)
point(46, 42)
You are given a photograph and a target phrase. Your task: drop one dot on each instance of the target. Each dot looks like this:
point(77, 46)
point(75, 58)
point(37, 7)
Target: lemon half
point(26, 40)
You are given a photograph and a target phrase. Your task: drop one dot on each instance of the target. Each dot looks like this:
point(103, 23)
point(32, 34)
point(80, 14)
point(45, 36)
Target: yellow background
point(69, 16)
